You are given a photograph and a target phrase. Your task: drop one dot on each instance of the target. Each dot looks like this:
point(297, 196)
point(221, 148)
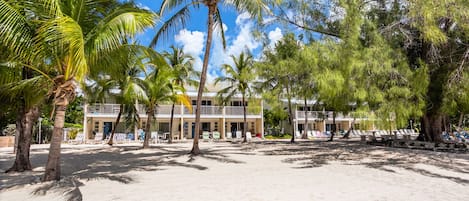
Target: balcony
point(113, 109)
point(327, 115)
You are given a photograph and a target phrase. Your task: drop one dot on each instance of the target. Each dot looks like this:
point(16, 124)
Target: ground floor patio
point(261, 170)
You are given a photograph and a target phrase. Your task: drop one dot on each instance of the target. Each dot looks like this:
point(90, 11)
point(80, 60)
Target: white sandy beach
point(257, 171)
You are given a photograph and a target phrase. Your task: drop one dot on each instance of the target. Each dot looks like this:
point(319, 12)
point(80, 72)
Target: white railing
point(321, 115)
point(166, 110)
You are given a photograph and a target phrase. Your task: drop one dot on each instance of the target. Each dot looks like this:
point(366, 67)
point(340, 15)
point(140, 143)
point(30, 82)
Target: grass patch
point(274, 137)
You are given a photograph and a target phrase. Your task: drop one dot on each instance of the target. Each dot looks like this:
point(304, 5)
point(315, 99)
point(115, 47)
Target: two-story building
point(101, 118)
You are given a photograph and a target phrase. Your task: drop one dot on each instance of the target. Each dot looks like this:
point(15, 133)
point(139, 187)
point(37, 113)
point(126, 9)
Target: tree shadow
point(107, 163)
point(314, 154)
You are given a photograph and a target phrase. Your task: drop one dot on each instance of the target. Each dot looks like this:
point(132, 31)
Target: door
point(234, 128)
point(193, 130)
point(107, 129)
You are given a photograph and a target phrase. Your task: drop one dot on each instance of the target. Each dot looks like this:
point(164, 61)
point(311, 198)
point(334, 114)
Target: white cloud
point(244, 40)
point(192, 44)
point(242, 18)
point(191, 41)
point(275, 36)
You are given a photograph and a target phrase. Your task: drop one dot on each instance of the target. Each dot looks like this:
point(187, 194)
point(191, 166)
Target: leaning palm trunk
point(146, 141)
point(211, 11)
point(170, 140)
point(64, 93)
point(305, 134)
point(245, 121)
point(111, 139)
point(24, 126)
point(53, 161)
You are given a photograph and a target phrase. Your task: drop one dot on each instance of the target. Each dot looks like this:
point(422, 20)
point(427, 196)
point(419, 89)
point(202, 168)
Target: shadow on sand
point(312, 154)
point(108, 163)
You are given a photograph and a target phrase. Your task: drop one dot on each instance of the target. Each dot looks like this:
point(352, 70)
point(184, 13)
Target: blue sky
point(238, 34)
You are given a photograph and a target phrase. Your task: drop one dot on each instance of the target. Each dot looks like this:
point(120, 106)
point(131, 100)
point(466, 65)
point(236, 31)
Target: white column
point(181, 134)
point(85, 122)
point(223, 130)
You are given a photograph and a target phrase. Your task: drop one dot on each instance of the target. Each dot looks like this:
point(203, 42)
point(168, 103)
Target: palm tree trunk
point(146, 141)
point(111, 139)
point(208, 46)
point(245, 121)
point(171, 125)
point(305, 134)
point(24, 126)
point(461, 120)
point(333, 127)
point(52, 171)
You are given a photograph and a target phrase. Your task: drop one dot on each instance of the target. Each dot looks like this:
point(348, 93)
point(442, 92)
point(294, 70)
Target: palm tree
point(158, 89)
point(20, 87)
point(73, 37)
point(239, 79)
point(119, 79)
point(182, 66)
point(255, 8)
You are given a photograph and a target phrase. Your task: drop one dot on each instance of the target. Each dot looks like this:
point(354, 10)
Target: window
point(238, 103)
point(144, 124)
point(206, 102)
point(205, 126)
point(216, 126)
point(163, 127)
point(194, 102)
point(96, 126)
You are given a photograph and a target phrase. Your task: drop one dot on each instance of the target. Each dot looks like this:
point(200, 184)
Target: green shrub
point(72, 134)
point(282, 136)
point(71, 125)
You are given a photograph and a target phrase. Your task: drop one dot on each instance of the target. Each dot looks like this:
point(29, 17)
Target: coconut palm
point(158, 89)
point(20, 87)
point(182, 66)
point(119, 79)
point(239, 79)
point(73, 37)
point(255, 8)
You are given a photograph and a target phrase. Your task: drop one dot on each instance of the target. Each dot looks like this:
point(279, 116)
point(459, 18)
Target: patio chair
point(205, 135)
point(98, 138)
point(216, 135)
point(248, 136)
point(239, 134)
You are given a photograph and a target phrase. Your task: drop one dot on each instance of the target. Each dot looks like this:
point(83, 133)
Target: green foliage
point(273, 117)
point(72, 134)
point(273, 137)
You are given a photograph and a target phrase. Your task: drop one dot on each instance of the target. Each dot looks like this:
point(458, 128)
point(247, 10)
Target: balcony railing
point(321, 115)
point(103, 109)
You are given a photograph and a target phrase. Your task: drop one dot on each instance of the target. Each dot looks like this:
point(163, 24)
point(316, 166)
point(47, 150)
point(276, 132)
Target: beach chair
point(119, 137)
point(98, 138)
point(205, 135)
point(154, 136)
point(239, 134)
point(216, 135)
point(248, 136)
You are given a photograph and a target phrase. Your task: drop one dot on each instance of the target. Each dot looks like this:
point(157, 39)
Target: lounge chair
point(216, 135)
point(239, 134)
point(248, 136)
point(205, 135)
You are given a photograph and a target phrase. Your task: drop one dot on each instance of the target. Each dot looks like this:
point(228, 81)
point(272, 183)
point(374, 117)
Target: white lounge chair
point(216, 135)
point(205, 135)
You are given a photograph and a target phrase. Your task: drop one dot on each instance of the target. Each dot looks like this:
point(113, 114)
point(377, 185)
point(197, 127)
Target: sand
point(262, 170)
